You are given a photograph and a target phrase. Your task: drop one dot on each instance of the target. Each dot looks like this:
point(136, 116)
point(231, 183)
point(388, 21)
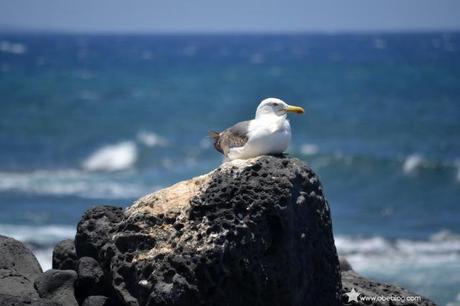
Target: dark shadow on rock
point(64, 255)
point(57, 286)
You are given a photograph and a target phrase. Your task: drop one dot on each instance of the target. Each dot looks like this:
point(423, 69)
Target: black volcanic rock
point(18, 270)
point(253, 232)
point(57, 286)
point(94, 228)
point(90, 278)
point(365, 287)
point(12, 300)
point(13, 283)
point(15, 256)
point(344, 264)
point(64, 255)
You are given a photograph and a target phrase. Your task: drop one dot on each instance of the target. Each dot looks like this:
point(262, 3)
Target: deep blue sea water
point(91, 119)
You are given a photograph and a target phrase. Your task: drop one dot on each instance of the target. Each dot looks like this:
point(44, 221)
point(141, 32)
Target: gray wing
point(235, 136)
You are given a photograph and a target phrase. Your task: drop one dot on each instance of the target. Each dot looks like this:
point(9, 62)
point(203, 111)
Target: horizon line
point(15, 30)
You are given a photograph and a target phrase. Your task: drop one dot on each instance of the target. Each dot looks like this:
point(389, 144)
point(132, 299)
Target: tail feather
point(216, 137)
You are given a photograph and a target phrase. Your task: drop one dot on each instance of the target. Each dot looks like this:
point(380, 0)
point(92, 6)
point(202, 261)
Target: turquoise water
point(88, 120)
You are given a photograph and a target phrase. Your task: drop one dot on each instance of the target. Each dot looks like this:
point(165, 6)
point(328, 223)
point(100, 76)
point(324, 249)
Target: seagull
point(269, 133)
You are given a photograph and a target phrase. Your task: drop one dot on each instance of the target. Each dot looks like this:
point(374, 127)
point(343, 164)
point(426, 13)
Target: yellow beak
point(295, 109)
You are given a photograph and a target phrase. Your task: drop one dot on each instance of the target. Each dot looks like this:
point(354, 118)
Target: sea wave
point(114, 157)
point(309, 149)
point(44, 257)
point(12, 47)
point(409, 165)
point(40, 239)
point(371, 253)
point(72, 182)
point(38, 236)
point(151, 139)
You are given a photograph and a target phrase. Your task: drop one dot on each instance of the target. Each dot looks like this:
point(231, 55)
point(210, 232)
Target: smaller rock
point(14, 255)
point(58, 286)
point(11, 300)
point(64, 255)
point(90, 278)
point(98, 300)
point(18, 270)
point(92, 229)
point(390, 295)
point(344, 264)
point(13, 283)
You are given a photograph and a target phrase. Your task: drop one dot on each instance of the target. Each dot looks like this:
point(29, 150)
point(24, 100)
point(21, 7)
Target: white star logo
point(352, 295)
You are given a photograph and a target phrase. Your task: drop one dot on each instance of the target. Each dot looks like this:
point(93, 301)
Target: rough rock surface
point(18, 270)
point(344, 264)
point(254, 232)
point(64, 255)
point(15, 256)
point(95, 228)
point(365, 287)
point(90, 278)
point(12, 300)
point(13, 283)
point(57, 286)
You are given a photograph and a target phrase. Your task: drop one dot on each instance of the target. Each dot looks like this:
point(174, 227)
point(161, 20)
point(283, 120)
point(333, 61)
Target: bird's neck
point(270, 117)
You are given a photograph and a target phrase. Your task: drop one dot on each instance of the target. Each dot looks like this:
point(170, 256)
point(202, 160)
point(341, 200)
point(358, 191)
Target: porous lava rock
point(251, 232)
point(64, 255)
point(57, 286)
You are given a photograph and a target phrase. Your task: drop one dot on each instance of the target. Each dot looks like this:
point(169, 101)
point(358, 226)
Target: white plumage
point(268, 133)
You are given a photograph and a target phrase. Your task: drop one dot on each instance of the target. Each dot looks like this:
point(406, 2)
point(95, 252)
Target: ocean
point(88, 120)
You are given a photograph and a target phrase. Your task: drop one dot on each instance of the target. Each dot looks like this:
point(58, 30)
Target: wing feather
point(235, 136)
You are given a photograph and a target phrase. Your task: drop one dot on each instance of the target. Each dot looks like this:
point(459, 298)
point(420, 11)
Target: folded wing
point(233, 137)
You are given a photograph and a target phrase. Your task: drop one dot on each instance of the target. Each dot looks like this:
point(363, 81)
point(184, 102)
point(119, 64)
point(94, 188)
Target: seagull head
point(276, 107)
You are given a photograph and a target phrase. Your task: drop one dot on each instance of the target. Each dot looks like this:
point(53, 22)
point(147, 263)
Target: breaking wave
point(411, 163)
point(43, 235)
point(115, 157)
point(151, 139)
point(72, 182)
point(40, 239)
point(309, 149)
point(371, 253)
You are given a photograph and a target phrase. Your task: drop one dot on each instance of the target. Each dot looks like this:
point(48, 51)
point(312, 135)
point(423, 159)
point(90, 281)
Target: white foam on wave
point(151, 139)
point(115, 157)
point(371, 253)
point(309, 149)
point(411, 163)
point(71, 182)
point(12, 48)
point(44, 257)
point(38, 234)
point(40, 238)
